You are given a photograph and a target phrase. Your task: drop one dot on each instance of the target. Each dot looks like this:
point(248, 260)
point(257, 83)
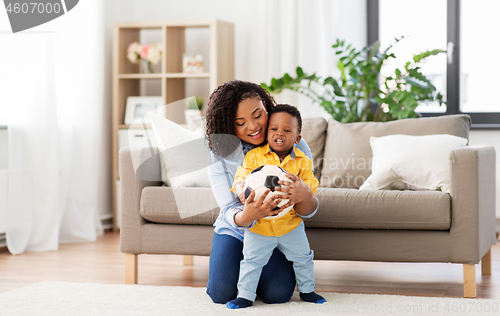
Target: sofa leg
point(469, 280)
point(131, 268)
point(486, 263)
point(188, 260)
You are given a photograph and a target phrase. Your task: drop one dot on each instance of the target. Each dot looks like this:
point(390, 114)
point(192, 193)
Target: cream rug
point(65, 298)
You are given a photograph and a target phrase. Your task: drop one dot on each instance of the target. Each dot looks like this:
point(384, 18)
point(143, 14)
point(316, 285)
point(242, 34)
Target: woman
point(236, 123)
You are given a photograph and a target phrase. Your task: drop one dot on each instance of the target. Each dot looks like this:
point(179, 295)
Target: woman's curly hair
point(221, 113)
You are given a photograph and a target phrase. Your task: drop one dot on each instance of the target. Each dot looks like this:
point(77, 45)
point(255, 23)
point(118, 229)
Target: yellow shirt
point(297, 163)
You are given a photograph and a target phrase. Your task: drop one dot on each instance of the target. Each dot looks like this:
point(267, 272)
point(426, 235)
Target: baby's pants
point(257, 250)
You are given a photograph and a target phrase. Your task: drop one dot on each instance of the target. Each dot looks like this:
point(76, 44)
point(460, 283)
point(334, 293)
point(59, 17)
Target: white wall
point(3, 148)
point(492, 137)
point(115, 10)
point(3, 179)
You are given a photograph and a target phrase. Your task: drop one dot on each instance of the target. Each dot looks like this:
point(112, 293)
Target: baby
point(286, 233)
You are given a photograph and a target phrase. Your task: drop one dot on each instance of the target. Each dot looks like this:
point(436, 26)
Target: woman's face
point(251, 121)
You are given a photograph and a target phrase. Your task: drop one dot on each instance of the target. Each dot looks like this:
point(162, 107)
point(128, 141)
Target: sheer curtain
point(51, 96)
point(285, 34)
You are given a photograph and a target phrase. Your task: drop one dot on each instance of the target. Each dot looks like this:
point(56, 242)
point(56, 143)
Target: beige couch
point(385, 225)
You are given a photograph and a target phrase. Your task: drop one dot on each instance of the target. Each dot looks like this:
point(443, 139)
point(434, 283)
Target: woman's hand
point(239, 191)
point(296, 192)
point(256, 209)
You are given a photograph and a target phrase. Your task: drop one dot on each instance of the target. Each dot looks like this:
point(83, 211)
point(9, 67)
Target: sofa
point(351, 224)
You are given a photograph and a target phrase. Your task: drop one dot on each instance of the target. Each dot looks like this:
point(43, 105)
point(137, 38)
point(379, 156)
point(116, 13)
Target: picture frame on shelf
point(138, 106)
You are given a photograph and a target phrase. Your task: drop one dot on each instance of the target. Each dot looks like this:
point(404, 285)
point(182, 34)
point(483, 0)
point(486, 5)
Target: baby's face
point(283, 132)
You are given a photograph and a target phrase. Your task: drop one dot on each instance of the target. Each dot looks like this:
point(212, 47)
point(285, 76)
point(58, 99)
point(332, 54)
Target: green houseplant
point(360, 88)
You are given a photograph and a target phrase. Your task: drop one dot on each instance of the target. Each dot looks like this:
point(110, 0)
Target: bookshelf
point(128, 80)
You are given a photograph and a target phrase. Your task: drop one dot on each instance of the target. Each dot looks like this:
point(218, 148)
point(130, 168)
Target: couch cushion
point(352, 208)
point(179, 205)
point(347, 156)
point(338, 208)
point(314, 133)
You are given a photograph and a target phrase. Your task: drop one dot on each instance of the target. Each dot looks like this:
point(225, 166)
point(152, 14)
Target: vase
point(148, 67)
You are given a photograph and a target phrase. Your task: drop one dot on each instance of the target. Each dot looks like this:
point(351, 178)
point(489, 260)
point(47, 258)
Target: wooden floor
point(102, 262)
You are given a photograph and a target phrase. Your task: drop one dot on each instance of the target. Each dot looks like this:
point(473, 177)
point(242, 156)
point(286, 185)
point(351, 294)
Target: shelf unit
point(127, 77)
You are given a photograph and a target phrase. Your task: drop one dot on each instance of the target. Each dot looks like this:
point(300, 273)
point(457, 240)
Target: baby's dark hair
point(221, 113)
point(290, 109)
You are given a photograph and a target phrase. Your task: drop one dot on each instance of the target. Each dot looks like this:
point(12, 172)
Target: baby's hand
point(239, 191)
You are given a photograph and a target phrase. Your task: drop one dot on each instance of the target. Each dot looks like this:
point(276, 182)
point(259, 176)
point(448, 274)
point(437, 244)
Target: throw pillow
point(314, 133)
point(419, 161)
point(184, 154)
point(347, 156)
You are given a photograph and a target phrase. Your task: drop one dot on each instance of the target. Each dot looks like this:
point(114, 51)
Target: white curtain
point(51, 96)
point(285, 34)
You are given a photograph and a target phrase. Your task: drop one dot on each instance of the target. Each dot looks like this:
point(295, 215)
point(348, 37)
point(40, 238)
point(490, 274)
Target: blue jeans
point(276, 284)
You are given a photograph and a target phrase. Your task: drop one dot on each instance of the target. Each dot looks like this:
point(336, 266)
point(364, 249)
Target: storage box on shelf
point(127, 77)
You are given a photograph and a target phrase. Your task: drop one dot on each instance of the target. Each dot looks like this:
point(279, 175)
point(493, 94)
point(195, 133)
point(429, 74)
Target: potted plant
point(361, 93)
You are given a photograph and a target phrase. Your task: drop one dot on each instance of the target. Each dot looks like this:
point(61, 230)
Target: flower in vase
point(144, 51)
point(133, 52)
point(154, 53)
point(150, 54)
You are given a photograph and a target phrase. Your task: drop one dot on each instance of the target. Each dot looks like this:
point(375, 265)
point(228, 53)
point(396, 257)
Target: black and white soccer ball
point(262, 178)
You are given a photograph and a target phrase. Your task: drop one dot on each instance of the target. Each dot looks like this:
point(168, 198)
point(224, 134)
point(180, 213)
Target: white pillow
point(184, 154)
point(417, 161)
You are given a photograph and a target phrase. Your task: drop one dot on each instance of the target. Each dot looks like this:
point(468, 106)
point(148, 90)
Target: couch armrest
point(472, 191)
point(147, 172)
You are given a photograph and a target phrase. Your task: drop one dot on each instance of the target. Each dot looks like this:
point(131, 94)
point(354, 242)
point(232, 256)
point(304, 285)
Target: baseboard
point(3, 241)
point(107, 221)
point(498, 229)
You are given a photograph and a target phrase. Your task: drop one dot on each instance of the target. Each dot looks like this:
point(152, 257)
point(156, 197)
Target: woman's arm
point(302, 145)
point(235, 214)
point(221, 178)
point(257, 208)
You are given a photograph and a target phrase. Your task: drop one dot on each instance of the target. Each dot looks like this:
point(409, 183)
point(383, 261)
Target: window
point(466, 74)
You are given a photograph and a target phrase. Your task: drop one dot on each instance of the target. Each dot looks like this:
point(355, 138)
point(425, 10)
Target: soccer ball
point(262, 178)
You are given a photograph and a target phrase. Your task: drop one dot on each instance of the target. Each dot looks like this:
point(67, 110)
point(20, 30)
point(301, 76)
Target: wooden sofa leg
point(469, 280)
point(188, 260)
point(486, 263)
point(131, 268)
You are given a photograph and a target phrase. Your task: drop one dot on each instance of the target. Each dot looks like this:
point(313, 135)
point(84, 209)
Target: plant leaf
point(300, 72)
point(419, 57)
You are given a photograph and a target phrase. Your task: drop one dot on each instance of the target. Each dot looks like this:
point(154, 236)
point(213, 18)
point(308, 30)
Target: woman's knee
point(221, 294)
point(269, 297)
point(277, 281)
point(224, 266)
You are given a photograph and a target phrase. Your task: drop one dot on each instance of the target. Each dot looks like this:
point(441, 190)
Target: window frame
point(480, 120)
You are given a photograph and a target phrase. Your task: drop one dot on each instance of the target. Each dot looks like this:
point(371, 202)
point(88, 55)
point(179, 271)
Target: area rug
point(66, 298)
